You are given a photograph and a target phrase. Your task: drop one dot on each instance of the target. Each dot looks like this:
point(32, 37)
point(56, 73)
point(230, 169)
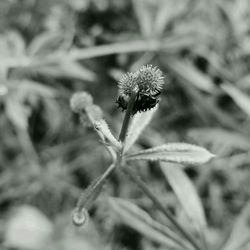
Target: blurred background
point(52, 48)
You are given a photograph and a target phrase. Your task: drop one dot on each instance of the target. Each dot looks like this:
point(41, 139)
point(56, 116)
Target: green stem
point(159, 205)
point(129, 113)
point(89, 196)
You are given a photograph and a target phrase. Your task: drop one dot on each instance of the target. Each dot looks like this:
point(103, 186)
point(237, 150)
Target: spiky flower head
point(146, 82)
point(127, 84)
point(149, 80)
point(80, 101)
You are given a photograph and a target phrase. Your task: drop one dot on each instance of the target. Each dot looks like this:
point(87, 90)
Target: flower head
point(80, 101)
point(150, 80)
point(146, 82)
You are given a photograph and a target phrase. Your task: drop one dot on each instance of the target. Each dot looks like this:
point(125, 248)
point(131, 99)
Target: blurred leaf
point(12, 44)
point(240, 235)
point(133, 216)
point(32, 87)
point(64, 68)
point(73, 69)
point(240, 98)
point(144, 16)
point(219, 140)
point(166, 11)
point(17, 112)
point(174, 152)
point(46, 43)
point(163, 16)
point(28, 228)
point(186, 194)
point(138, 124)
point(189, 73)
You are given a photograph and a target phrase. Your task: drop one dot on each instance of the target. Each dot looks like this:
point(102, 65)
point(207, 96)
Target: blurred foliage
point(50, 49)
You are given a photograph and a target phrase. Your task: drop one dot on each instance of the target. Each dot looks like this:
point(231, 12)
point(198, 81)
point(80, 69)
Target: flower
point(146, 82)
point(80, 101)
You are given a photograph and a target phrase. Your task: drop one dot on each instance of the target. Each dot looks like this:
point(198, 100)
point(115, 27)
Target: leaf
point(133, 216)
point(144, 15)
point(240, 235)
point(17, 112)
point(239, 97)
point(190, 74)
point(76, 70)
point(166, 12)
point(220, 140)
point(138, 124)
point(46, 43)
point(69, 69)
point(174, 152)
point(163, 15)
point(186, 194)
point(31, 87)
point(12, 45)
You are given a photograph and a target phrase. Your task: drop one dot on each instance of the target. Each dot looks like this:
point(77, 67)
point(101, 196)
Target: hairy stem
point(133, 175)
point(129, 113)
point(92, 192)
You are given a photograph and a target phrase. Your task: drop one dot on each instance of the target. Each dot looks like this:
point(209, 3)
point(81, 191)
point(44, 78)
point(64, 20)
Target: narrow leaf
point(174, 152)
point(240, 98)
point(186, 194)
point(73, 69)
point(138, 219)
point(139, 122)
point(65, 68)
point(190, 74)
point(240, 235)
point(17, 112)
point(32, 87)
point(144, 15)
point(46, 43)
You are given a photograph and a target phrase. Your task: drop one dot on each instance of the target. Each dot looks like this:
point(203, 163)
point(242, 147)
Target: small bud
point(80, 217)
point(80, 101)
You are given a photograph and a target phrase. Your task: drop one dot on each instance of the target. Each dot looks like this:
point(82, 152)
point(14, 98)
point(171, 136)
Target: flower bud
point(80, 217)
point(80, 101)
